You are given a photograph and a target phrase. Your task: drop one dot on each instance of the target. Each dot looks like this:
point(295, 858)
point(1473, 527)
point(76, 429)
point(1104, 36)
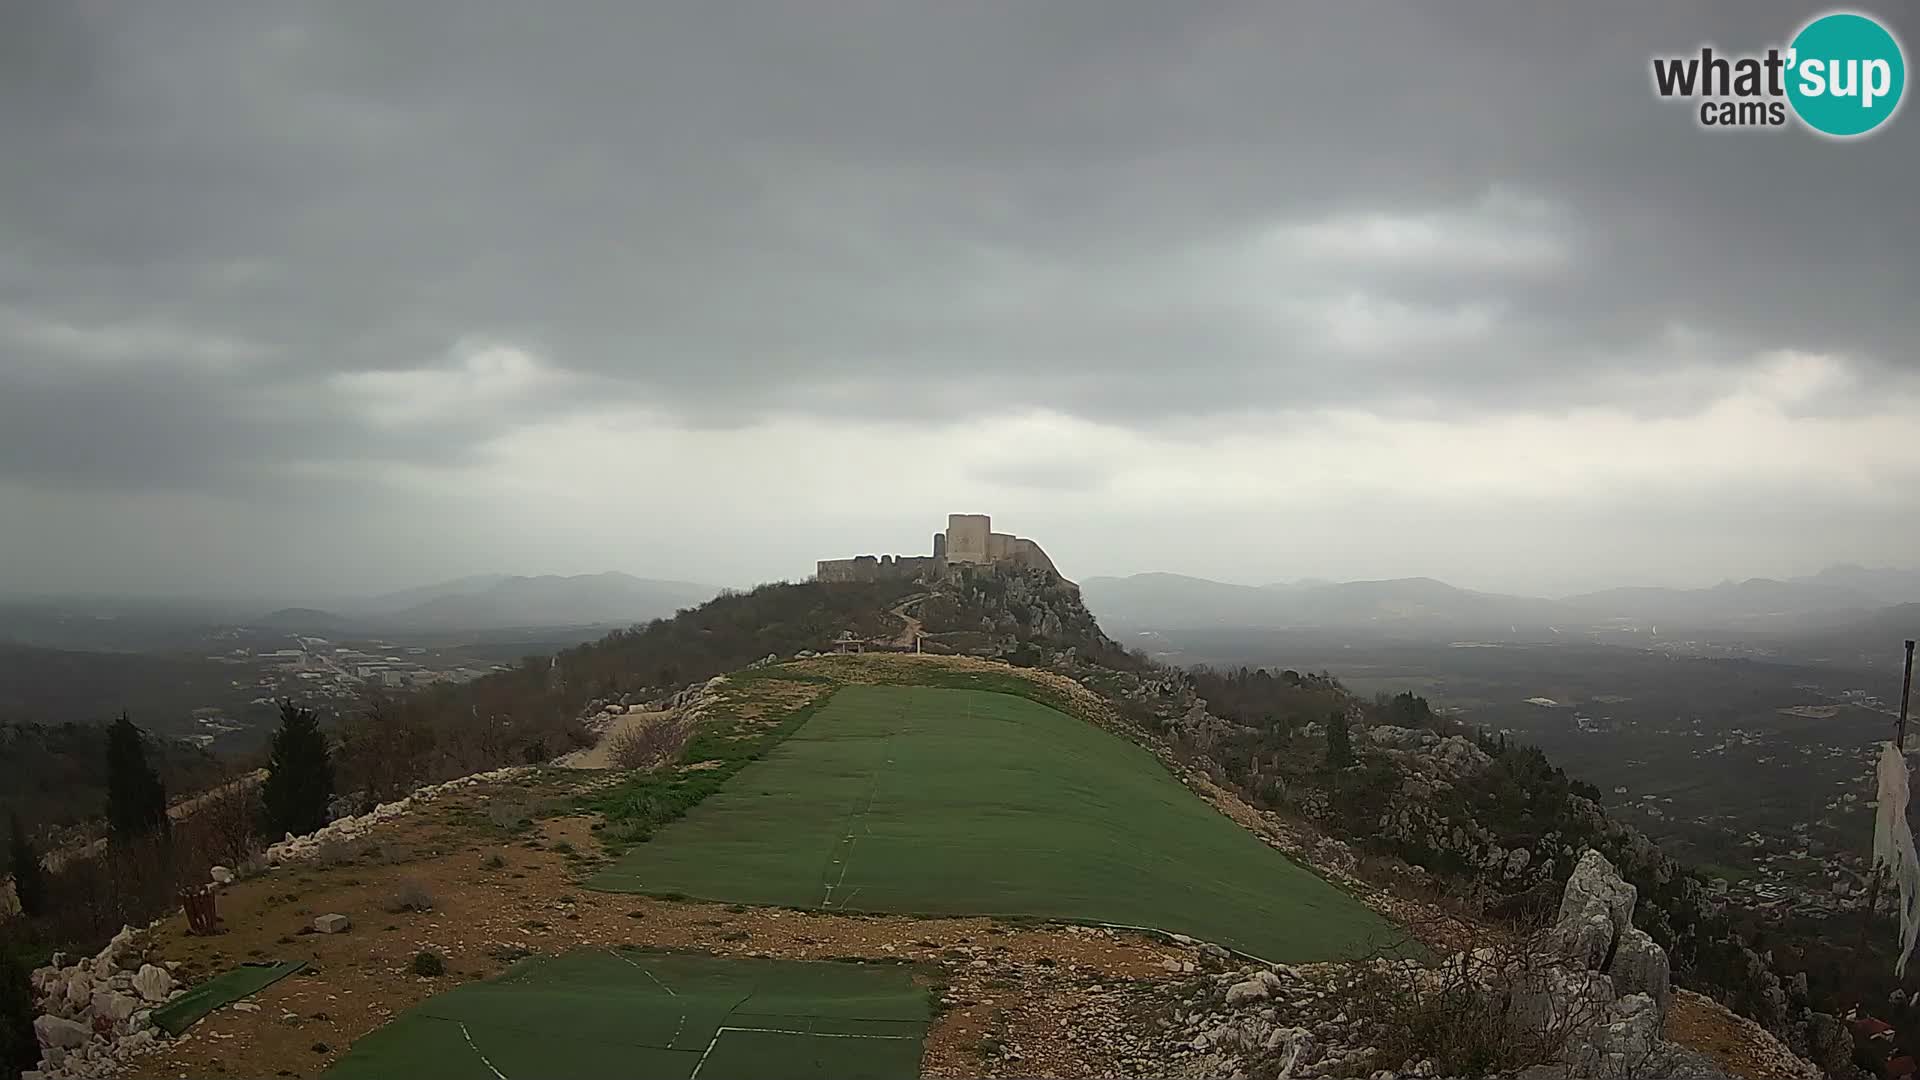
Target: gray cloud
point(244, 246)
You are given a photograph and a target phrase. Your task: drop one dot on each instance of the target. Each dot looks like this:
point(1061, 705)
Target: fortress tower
point(968, 538)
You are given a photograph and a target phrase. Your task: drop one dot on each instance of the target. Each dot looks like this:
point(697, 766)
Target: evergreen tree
point(300, 782)
point(29, 880)
point(136, 801)
point(1339, 741)
point(19, 1050)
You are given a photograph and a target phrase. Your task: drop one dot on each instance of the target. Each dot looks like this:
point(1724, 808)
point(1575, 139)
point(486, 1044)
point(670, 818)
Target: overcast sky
point(320, 298)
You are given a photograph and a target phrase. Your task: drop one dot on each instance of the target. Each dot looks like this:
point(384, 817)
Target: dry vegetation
point(644, 746)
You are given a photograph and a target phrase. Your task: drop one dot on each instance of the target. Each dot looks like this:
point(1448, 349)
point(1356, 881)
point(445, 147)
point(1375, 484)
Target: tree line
point(148, 858)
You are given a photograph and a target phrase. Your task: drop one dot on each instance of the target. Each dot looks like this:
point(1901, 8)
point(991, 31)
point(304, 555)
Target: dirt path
point(910, 631)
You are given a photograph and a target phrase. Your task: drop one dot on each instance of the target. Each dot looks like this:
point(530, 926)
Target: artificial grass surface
point(249, 978)
point(635, 1012)
point(956, 802)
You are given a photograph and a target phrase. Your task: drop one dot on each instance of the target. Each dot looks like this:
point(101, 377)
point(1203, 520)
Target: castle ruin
point(969, 540)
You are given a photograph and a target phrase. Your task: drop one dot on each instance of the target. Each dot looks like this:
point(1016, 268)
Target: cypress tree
point(300, 774)
point(29, 880)
point(136, 801)
point(19, 1050)
point(1339, 741)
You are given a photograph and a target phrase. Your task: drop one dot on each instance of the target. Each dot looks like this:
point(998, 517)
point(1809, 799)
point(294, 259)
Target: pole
point(1906, 691)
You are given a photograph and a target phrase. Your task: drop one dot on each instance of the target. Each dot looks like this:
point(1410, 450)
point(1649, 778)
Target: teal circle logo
point(1845, 74)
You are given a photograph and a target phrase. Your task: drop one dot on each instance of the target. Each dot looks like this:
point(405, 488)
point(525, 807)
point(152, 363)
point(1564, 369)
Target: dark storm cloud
point(217, 220)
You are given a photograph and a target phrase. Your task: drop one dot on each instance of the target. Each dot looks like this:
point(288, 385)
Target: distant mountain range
point(500, 601)
point(1171, 601)
point(1885, 585)
point(1871, 641)
point(394, 603)
point(1834, 597)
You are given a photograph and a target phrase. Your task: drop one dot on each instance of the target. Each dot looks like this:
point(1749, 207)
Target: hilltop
point(1450, 835)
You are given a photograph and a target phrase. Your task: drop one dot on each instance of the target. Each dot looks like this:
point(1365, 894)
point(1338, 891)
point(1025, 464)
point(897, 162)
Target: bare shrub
point(91, 896)
point(412, 895)
point(1504, 1002)
point(643, 746)
point(224, 827)
point(508, 813)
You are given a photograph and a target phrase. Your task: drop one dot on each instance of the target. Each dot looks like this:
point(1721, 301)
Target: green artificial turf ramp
point(634, 1012)
point(957, 802)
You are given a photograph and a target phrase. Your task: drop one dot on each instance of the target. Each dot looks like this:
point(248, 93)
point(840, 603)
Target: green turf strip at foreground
point(956, 802)
point(632, 1012)
point(250, 978)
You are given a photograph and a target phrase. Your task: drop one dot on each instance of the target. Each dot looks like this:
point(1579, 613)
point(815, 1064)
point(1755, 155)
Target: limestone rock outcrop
point(1595, 935)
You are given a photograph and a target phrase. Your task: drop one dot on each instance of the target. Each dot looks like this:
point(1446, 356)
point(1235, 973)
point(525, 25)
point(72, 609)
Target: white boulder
point(1250, 990)
point(153, 983)
point(114, 1005)
point(79, 989)
point(58, 1033)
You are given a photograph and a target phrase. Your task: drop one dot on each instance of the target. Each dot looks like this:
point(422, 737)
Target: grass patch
point(636, 808)
point(923, 800)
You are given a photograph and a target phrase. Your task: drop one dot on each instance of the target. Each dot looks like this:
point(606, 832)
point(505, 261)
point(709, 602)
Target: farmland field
point(634, 1012)
point(962, 802)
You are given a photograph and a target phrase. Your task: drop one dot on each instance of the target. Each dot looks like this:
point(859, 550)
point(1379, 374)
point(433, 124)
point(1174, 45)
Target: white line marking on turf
point(719, 1031)
point(698, 1065)
point(648, 974)
point(476, 1052)
point(812, 1034)
point(857, 819)
point(853, 821)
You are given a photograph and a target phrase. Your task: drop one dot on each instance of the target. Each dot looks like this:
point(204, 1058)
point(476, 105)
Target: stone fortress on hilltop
point(969, 540)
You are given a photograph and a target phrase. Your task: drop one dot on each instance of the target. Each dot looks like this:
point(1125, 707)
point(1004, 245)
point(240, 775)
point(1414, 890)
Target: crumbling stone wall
point(875, 568)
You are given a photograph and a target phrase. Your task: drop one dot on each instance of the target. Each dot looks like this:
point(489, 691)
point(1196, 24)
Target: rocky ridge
point(1593, 991)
